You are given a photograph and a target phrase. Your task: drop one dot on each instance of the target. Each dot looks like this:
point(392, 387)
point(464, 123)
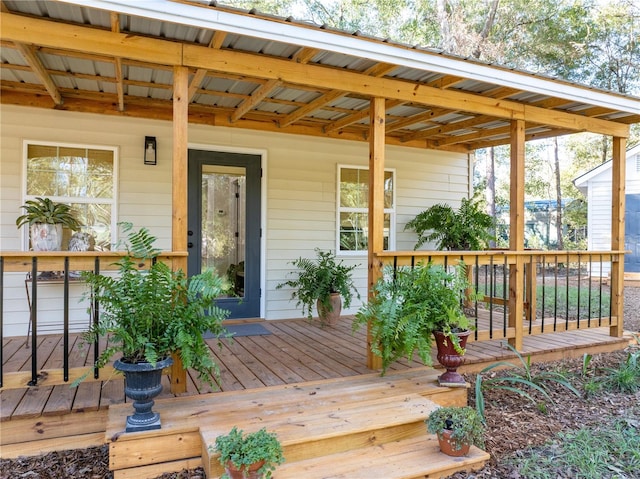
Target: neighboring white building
point(596, 186)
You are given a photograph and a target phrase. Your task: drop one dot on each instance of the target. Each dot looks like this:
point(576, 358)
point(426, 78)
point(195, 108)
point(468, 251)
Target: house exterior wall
point(599, 209)
point(300, 182)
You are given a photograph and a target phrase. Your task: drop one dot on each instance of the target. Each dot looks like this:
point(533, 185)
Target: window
point(353, 213)
point(82, 176)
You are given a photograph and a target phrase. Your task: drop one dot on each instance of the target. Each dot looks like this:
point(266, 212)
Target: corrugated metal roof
point(87, 74)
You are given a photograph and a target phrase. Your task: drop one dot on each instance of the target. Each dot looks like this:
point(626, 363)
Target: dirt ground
point(512, 424)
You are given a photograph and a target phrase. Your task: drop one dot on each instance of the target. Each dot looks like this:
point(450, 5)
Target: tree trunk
point(488, 25)
point(556, 154)
point(491, 190)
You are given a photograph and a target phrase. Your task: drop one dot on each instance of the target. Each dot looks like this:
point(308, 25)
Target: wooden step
point(309, 431)
point(136, 455)
point(414, 458)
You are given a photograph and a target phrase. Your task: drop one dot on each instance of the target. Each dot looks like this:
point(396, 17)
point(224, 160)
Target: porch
point(53, 416)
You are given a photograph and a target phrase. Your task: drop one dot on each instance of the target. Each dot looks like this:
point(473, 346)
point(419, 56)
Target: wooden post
point(618, 173)
point(516, 232)
point(376, 205)
point(179, 193)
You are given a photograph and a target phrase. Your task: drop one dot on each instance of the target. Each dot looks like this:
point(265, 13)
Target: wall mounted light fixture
point(150, 151)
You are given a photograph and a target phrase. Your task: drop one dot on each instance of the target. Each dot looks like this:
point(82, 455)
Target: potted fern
point(457, 428)
point(412, 305)
point(149, 314)
point(467, 228)
point(324, 282)
point(46, 219)
point(248, 456)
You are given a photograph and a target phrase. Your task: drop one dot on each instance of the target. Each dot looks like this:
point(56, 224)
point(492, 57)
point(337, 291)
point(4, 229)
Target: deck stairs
point(350, 428)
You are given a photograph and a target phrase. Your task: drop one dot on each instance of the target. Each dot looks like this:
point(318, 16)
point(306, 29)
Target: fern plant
point(149, 314)
point(316, 279)
point(468, 228)
point(408, 304)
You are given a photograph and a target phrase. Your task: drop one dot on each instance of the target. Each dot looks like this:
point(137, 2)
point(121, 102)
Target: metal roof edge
point(199, 15)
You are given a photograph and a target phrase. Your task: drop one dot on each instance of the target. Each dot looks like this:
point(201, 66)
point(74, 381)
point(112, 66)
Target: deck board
point(296, 351)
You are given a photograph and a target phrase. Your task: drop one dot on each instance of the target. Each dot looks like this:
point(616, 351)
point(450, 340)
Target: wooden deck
point(37, 419)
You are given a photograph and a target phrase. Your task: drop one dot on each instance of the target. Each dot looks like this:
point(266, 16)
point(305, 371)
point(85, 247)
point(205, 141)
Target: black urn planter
point(142, 382)
point(450, 358)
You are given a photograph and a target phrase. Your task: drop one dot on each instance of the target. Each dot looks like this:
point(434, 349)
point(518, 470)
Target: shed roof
point(258, 71)
point(581, 181)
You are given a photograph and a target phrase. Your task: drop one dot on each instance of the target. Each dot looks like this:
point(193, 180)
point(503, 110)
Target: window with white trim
point(353, 209)
point(82, 176)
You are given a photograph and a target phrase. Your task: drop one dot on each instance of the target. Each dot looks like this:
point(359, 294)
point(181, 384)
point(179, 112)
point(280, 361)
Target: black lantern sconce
point(150, 151)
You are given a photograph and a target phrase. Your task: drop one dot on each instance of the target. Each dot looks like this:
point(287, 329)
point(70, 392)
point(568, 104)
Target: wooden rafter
point(216, 42)
point(29, 54)
point(115, 27)
point(256, 97)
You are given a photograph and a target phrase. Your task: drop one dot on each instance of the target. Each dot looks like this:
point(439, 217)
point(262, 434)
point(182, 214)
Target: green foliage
point(408, 305)
point(316, 279)
point(150, 314)
point(626, 377)
point(43, 210)
point(464, 422)
point(521, 380)
point(468, 228)
point(247, 449)
point(609, 451)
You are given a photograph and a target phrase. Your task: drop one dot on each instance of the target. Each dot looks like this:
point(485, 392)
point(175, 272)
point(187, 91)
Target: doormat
point(239, 330)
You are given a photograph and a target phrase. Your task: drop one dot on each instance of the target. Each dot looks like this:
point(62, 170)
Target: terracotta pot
point(450, 358)
point(452, 447)
point(244, 472)
point(330, 317)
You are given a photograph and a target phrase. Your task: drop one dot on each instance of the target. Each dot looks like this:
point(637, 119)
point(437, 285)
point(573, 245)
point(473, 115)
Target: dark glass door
point(224, 225)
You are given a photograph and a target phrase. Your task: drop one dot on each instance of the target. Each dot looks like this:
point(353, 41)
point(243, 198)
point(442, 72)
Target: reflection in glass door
point(224, 225)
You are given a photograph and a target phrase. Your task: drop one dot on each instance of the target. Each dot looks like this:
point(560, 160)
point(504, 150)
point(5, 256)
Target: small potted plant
point(150, 314)
point(457, 428)
point(411, 305)
point(248, 456)
point(46, 219)
point(324, 282)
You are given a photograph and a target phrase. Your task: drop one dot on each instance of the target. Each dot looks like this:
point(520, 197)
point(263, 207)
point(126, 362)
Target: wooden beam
point(40, 71)
point(216, 42)
point(618, 173)
point(96, 41)
point(376, 206)
point(516, 232)
point(356, 117)
point(256, 97)
point(417, 118)
point(115, 27)
point(179, 191)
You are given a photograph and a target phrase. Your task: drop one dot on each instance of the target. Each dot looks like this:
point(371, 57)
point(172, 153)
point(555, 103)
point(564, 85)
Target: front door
point(224, 225)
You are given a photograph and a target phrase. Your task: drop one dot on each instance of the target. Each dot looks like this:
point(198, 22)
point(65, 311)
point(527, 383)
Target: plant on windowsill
point(323, 282)
point(457, 428)
point(251, 455)
point(150, 312)
point(465, 229)
point(410, 306)
point(46, 219)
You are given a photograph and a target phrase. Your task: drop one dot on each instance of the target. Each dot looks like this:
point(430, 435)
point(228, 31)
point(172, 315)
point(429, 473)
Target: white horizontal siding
point(301, 177)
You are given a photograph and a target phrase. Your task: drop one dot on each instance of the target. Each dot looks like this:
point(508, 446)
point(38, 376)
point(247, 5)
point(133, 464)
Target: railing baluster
point(34, 322)
point(505, 288)
point(96, 316)
point(555, 296)
point(544, 292)
point(65, 332)
point(590, 290)
point(566, 317)
point(491, 296)
point(579, 290)
point(476, 280)
point(600, 299)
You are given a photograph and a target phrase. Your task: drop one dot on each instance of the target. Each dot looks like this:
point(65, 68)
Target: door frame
point(263, 205)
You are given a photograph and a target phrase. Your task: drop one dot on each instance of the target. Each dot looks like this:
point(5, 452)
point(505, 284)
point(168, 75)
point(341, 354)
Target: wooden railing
point(562, 290)
point(62, 268)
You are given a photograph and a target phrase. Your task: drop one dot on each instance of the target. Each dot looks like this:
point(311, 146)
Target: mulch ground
point(513, 423)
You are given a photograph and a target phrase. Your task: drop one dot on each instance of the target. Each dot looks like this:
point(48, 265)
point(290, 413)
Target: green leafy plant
point(43, 210)
point(521, 380)
point(468, 228)
point(408, 305)
point(464, 423)
point(244, 450)
point(149, 314)
point(316, 279)
point(626, 377)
